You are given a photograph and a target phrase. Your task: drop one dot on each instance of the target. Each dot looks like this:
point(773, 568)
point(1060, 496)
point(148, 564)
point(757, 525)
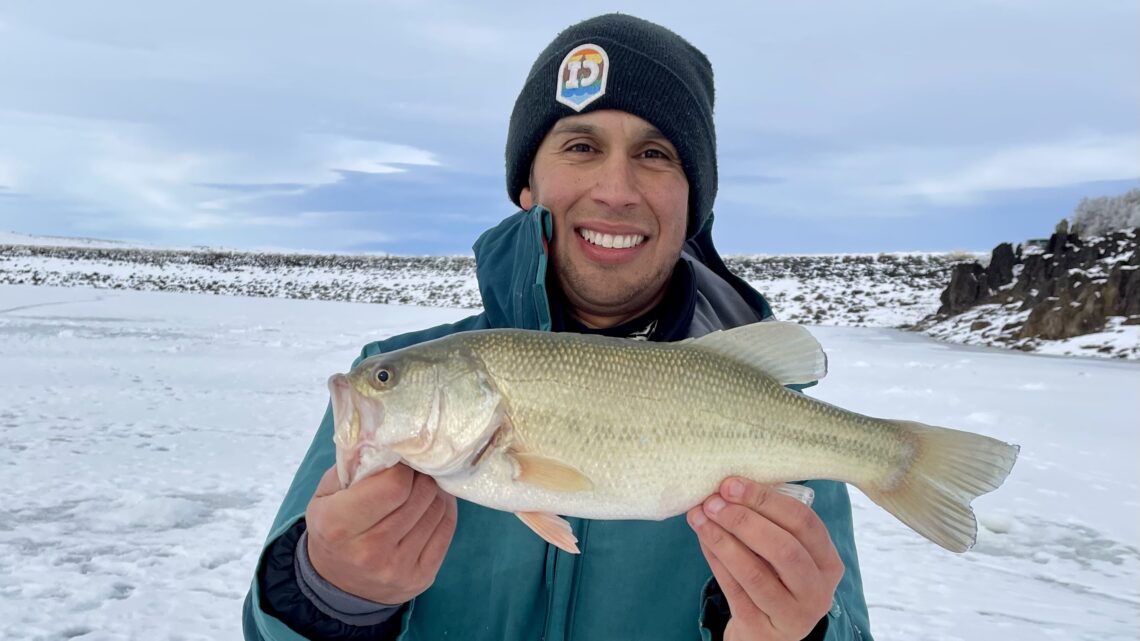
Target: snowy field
point(146, 439)
point(898, 289)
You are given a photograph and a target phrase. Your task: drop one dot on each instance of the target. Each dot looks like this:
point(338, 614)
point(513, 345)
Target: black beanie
point(631, 65)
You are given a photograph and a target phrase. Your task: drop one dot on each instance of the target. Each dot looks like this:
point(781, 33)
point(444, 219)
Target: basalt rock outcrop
point(1066, 287)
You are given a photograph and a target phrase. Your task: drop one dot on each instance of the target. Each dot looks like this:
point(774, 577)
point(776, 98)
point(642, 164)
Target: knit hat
point(621, 62)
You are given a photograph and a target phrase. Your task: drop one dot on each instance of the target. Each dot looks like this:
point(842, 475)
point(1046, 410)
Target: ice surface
point(147, 438)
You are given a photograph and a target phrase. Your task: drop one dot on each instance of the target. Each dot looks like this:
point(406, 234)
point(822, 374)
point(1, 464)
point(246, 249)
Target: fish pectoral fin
point(548, 473)
point(553, 529)
point(785, 351)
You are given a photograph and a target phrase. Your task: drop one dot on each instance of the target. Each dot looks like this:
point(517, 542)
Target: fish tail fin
point(948, 470)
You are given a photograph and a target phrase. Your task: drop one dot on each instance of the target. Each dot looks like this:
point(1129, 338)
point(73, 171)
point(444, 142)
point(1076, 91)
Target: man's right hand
point(383, 538)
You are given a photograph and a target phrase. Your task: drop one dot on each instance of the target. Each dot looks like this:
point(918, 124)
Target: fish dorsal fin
point(785, 351)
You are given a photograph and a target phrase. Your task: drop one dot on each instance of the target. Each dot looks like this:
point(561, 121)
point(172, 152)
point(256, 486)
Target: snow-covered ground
point(439, 281)
point(146, 439)
point(896, 289)
point(983, 325)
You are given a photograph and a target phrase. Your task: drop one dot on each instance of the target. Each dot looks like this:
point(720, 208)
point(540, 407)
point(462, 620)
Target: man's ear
point(526, 201)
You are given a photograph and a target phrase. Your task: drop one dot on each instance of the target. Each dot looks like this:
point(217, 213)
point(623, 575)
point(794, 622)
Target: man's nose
point(615, 184)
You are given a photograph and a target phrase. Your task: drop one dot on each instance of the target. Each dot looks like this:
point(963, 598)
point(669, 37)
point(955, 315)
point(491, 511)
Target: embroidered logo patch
point(582, 76)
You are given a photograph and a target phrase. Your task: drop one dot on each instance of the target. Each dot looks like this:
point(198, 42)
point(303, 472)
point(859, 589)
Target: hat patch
point(582, 76)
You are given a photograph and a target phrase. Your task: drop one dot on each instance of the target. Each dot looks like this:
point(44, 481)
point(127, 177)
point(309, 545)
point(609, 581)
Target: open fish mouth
point(355, 420)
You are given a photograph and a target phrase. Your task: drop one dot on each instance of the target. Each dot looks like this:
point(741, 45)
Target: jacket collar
point(510, 264)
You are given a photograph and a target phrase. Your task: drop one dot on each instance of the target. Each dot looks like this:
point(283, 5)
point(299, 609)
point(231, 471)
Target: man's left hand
point(773, 558)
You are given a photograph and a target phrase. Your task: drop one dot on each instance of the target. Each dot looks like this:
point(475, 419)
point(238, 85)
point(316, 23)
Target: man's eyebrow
point(649, 132)
point(574, 128)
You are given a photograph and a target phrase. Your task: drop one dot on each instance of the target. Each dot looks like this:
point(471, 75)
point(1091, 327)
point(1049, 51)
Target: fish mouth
point(355, 420)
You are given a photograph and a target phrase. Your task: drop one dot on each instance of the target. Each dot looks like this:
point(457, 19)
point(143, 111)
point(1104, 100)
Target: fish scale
point(706, 418)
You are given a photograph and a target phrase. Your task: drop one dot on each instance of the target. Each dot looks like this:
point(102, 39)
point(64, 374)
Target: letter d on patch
point(582, 76)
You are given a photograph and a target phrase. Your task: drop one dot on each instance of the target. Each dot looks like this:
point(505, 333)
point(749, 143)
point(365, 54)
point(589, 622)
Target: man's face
point(611, 178)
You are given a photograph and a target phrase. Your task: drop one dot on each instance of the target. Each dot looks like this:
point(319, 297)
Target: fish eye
point(383, 377)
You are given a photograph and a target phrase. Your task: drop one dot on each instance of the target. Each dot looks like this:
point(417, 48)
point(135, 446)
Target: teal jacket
point(633, 579)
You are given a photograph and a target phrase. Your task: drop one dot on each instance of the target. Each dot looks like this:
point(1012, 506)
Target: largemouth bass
point(546, 424)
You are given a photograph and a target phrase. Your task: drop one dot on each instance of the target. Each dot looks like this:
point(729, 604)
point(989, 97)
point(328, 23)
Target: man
point(611, 156)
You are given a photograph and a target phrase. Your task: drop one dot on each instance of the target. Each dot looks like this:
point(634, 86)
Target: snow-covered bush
point(1099, 216)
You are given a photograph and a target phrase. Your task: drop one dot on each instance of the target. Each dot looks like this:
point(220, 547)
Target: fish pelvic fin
point(553, 529)
point(785, 351)
point(949, 469)
point(548, 473)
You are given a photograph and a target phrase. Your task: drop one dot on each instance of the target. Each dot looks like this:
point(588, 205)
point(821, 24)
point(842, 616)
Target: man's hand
point(383, 538)
point(772, 557)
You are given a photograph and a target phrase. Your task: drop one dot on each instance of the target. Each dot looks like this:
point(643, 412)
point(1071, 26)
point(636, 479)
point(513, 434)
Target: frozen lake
point(146, 439)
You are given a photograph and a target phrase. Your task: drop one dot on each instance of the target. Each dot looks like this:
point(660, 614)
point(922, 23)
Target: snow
point(146, 439)
point(433, 280)
point(888, 289)
point(984, 325)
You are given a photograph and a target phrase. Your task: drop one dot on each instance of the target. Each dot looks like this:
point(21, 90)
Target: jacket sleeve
point(282, 598)
point(847, 620)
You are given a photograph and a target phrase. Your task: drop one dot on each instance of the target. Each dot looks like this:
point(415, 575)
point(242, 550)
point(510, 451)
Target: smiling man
point(611, 154)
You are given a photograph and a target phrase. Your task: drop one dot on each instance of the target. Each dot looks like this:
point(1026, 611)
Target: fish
point(548, 425)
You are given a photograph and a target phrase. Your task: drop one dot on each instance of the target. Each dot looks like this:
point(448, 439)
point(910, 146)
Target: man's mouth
point(611, 241)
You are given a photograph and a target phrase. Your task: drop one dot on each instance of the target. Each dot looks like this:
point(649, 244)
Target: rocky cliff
point(1070, 287)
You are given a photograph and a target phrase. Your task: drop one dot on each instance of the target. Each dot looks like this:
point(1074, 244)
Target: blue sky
point(358, 125)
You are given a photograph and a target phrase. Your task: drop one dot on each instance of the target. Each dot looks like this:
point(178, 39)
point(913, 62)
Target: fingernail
point(715, 505)
point(734, 489)
point(698, 518)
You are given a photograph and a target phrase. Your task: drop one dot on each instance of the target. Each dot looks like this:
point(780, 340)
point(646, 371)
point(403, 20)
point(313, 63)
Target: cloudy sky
point(362, 125)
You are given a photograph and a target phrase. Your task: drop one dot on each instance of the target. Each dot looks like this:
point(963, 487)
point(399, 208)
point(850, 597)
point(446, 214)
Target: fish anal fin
point(801, 493)
point(548, 473)
point(553, 529)
point(785, 351)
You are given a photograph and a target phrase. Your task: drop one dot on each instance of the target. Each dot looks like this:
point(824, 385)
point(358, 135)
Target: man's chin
point(610, 306)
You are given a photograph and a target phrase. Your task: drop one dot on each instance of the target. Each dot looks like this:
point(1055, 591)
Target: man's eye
point(580, 147)
point(656, 154)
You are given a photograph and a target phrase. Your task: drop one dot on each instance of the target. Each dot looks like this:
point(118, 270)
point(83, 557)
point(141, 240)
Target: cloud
point(198, 120)
point(1086, 158)
point(908, 181)
point(466, 38)
point(366, 156)
point(145, 178)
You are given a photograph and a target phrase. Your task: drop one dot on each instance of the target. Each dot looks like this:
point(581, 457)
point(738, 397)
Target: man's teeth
point(612, 241)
